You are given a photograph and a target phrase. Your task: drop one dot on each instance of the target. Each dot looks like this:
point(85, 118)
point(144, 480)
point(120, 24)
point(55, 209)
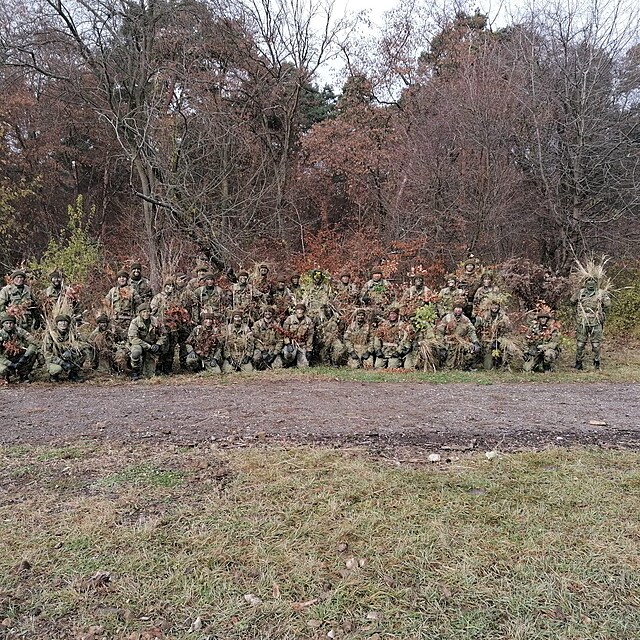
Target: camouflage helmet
point(450, 276)
point(144, 307)
point(269, 309)
point(136, 265)
point(8, 318)
point(243, 273)
point(207, 315)
point(63, 317)
point(55, 274)
point(301, 305)
point(376, 270)
point(169, 280)
point(18, 272)
point(102, 318)
point(543, 310)
point(122, 274)
point(209, 276)
point(459, 302)
point(360, 311)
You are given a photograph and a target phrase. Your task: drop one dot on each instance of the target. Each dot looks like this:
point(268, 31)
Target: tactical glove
point(154, 348)
point(66, 366)
point(476, 347)
point(67, 355)
point(379, 354)
point(366, 355)
point(12, 366)
point(270, 358)
point(265, 355)
point(354, 355)
point(308, 354)
point(245, 360)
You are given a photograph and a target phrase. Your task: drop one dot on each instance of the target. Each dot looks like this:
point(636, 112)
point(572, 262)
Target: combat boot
point(596, 365)
point(578, 366)
point(136, 374)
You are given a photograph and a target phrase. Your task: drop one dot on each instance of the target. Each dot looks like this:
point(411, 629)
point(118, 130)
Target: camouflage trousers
point(542, 360)
point(293, 356)
point(196, 363)
point(231, 365)
point(24, 368)
point(332, 353)
point(588, 334)
point(389, 362)
point(263, 360)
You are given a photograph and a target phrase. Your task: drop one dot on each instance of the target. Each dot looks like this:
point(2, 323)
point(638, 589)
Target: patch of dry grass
point(531, 546)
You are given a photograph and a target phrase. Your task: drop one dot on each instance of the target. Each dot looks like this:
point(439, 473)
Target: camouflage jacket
point(207, 299)
point(56, 344)
point(283, 302)
point(377, 294)
point(145, 333)
point(103, 340)
point(142, 288)
point(359, 338)
point(205, 341)
point(451, 329)
point(591, 307)
point(268, 337)
point(17, 343)
point(346, 295)
point(264, 288)
point(316, 296)
point(20, 302)
point(392, 339)
point(238, 343)
point(543, 336)
point(245, 297)
point(328, 330)
point(483, 292)
point(301, 331)
point(123, 302)
point(490, 328)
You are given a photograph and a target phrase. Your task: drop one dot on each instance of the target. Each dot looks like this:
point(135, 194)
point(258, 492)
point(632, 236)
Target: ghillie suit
point(425, 345)
point(592, 301)
point(459, 346)
point(542, 340)
point(494, 331)
point(316, 292)
point(107, 352)
point(18, 350)
point(204, 346)
point(391, 343)
point(359, 341)
point(329, 347)
point(64, 351)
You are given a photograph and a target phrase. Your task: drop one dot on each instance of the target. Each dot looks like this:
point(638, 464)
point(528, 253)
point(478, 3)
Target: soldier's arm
point(4, 299)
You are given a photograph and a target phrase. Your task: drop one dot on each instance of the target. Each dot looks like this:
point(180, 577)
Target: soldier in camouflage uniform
point(359, 342)
point(592, 304)
point(542, 341)
point(17, 299)
point(209, 297)
point(485, 290)
point(317, 294)
point(269, 341)
point(347, 294)
point(424, 353)
point(166, 307)
point(145, 340)
point(283, 300)
point(329, 331)
point(185, 300)
point(238, 345)
point(263, 285)
point(64, 353)
point(299, 337)
point(18, 350)
point(245, 297)
point(106, 352)
point(391, 342)
point(53, 292)
point(377, 294)
point(295, 288)
point(141, 286)
point(493, 328)
point(123, 303)
point(204, 345)
point(460, 345)
point(415, 296)
point(448, 294)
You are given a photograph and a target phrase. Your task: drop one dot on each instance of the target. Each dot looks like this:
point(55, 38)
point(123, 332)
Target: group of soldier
point(242, 322)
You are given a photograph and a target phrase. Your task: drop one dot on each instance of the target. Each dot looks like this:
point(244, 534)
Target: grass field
point(162, 542)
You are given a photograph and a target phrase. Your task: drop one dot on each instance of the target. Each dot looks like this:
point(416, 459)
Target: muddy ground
point(378, 416)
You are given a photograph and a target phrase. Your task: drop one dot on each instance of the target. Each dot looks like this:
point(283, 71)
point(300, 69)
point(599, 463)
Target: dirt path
point(376, 415)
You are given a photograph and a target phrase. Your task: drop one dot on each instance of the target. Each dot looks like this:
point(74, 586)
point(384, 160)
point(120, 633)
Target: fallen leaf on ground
point(252, 599)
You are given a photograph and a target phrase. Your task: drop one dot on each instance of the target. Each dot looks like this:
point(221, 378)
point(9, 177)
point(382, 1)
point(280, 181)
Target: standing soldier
point(416, 295)
point(209, 297)
point(391, 342)
point(592, 301)
point(141, 286)
point(485, 290)
point(145, 341)
point(262, 284)
point(53, 292)
point(269, 341)
point(317, 293)
point(460, 346)
point(64, 352)
point(204, 345)
point(295, 288)
point(238, 346)
point(123, 303)
point(358, 340)
point(448, 294)
point(542, 341)
point(346, 292)
point(173, 317)
point(377, 293)
point(244, 296)
point(17, 300)
point(298, 341)
point(18, 350)
point(283, 299)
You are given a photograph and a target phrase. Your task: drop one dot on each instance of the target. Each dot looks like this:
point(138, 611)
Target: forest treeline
point(199, 127)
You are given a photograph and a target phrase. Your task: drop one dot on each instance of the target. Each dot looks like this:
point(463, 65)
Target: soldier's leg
point(395, 363)
point(581, 343)
point(487, 358)
point(596, 343)
point(277, 363)
point(212, 366)
point(258, 362)
point(381, 362)
point(227, 367)
point(301, 359)
point(354, 363)
point(54, 371)
point(550, 357)
point(247, 367)
point(193, 362)
point(135, 355)
point(4, 364)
